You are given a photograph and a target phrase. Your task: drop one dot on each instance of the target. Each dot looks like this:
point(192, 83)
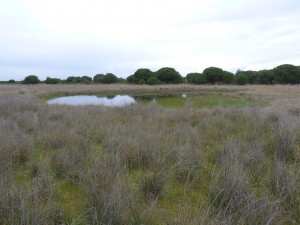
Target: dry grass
point(96, 88)
point(145, 164)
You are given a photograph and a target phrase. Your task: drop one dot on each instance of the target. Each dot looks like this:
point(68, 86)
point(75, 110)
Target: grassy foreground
point(201, 163)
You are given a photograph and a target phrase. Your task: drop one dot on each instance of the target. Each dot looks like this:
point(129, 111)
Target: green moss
point(173, 102)
point(22, 176)
point(177, 201)
point(219, 100)
point(73, 202)
point(49, 96)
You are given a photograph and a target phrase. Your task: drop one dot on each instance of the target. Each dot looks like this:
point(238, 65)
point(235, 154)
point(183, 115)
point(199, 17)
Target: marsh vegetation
point(231, 156)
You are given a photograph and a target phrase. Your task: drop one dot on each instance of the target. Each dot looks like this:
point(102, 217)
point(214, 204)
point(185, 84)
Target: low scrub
point(145, 164)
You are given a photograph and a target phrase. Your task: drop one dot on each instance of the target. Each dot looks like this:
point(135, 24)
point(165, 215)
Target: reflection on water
point(118, 100)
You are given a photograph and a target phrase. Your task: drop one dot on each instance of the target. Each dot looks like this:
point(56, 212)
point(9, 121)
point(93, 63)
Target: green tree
point(252, 76)
point(143, 73)
point(169, 76)
point(265, 77)
point(213, 75)
point(85, 79)
point(287, 74)
point(132, 79)
point(189, 78)
point(99, 78)
point(153, 81)
point(73, 79)
point(11, 81)
point(110, 78)
point(121, 80)
point(228, 77)
point(196, 78)
point(142, 81)
point(241, 79)
point(31, 79)
point(50, 80)
point(140, 76)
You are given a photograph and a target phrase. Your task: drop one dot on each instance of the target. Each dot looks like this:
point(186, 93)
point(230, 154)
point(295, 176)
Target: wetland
point(182, 154)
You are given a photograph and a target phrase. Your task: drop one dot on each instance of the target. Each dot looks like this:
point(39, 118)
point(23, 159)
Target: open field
point(219, 160)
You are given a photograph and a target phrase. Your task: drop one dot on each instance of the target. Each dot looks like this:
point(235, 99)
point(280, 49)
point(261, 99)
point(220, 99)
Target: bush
point(152, 186)
point(52, 80)
point(141, 76)
point(73, 79)
point(153, 81)
point(109, 78)
point(31, 79)
point(86, 79)
point(265, 76)
point(11, 81)
point(196, 78)
point(241, 79)
point(213, 75)
point(131, 79)
point(169, 76)
point(252, 76)
point(144, 74)
point(228, 77)
point(287, 74)
point(99, 78)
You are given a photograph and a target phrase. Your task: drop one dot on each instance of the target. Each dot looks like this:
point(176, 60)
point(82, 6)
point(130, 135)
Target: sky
point(61, 38)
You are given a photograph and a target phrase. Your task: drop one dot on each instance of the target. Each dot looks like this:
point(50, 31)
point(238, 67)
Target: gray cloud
point(229, 34)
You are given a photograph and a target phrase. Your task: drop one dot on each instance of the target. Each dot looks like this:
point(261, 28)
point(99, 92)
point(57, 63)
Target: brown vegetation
point(144, 164)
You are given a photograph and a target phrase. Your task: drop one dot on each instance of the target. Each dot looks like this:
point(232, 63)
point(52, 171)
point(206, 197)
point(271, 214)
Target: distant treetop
point(282, 74)
point(31, 79)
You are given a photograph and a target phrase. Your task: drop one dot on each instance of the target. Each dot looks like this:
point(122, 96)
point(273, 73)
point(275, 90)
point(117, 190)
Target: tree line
point(108, 78)
point(283, 74)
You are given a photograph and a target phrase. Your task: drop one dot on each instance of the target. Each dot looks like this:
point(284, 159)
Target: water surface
point(114, 101)
point(165, 100)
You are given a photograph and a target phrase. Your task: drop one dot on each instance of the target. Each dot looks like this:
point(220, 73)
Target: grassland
point(231, 156)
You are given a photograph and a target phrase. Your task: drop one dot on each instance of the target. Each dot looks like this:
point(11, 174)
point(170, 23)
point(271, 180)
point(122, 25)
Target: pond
point(172, 100)
point(113, 101)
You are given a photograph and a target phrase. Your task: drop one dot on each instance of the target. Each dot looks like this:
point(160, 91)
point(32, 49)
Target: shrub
point(284, 136)
point(152, 186)
point(109, 78)
point(196, 78)
point(11, 81)
point(73, 79)
point(110, 200)
point(52, 80)
point(287, 74)
point(31, 79)
point(213, 75)
point(132, 79)
point(144, 74)
point(169, 76)
point(153, 81)
point(241, 79)
point(99, 78)
point(85, 79)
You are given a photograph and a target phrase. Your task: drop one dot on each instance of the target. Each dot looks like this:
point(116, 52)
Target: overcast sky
point(60, 38)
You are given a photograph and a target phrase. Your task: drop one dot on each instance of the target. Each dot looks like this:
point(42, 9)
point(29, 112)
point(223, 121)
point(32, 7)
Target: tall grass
point(145, 164)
